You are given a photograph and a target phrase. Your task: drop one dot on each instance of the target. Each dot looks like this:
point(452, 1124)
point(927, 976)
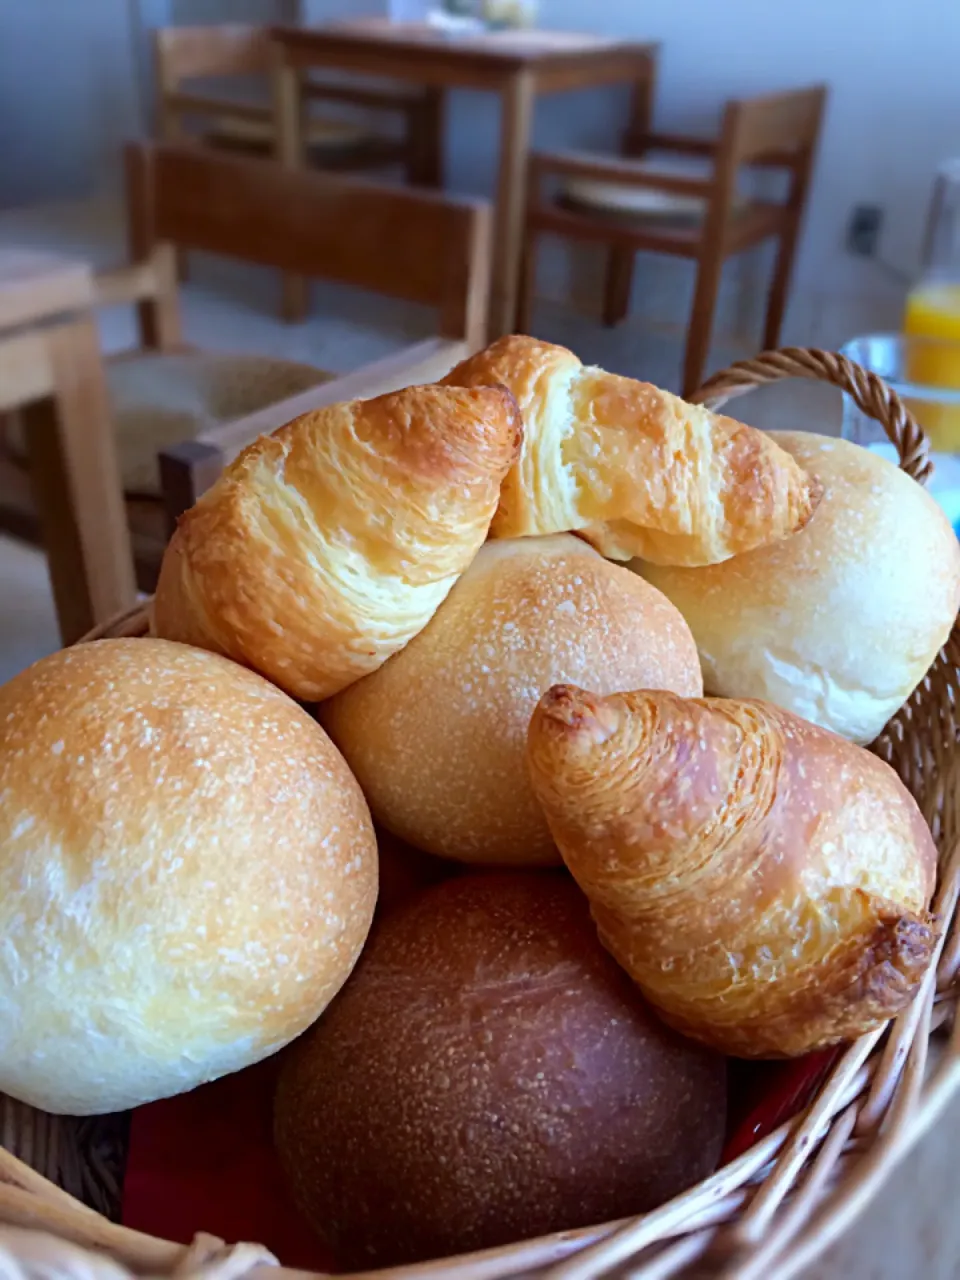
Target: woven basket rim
point(781, 1202)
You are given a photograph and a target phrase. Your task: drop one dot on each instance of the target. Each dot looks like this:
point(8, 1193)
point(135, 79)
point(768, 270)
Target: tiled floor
point(912, 1229)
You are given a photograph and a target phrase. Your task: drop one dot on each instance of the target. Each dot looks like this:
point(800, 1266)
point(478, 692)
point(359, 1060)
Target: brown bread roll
point(187, 873)
point(489, 1074)
point(437, 736)
point(764, 882)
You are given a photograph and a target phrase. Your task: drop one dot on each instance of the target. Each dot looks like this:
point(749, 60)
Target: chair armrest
point(187, 470)
point(362, 96)
point(625, 173)
point(704, 147)
point(674, 142)
point(209, 105)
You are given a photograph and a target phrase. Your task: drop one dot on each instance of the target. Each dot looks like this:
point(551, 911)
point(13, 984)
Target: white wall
point(68, 96)
point(894, 112)
point(69, 92)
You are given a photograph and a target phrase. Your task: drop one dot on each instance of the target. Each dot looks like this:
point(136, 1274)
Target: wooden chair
point(417, 245)
point(598, 201)
point(187, 54)
point(317, 224)
point(154, 395)
point(51, 371)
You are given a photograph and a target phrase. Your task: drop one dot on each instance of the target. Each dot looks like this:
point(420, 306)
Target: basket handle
point(868, 391)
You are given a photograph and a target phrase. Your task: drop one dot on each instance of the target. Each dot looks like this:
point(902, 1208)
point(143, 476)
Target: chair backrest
point(417, 245)
point(206, 53)
point(230, 49)
point(776, 128)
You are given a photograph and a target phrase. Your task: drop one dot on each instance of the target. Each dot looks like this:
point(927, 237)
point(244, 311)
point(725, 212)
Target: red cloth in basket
point(204, 1161)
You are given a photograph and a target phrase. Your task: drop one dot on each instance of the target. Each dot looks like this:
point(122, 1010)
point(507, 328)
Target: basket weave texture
point(771, 1211)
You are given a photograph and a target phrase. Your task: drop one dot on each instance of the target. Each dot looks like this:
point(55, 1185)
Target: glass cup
point(897, 358)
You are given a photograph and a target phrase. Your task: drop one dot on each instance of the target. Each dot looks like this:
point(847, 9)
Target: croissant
point(763, 881)
point(633, 469)
point(325, 547)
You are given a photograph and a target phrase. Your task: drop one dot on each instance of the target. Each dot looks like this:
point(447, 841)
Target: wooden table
point(51, 369)
point(517, 65)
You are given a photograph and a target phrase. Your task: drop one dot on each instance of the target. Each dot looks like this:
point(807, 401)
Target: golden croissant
point(633, 469)
point(325, 547)
point(764, 882)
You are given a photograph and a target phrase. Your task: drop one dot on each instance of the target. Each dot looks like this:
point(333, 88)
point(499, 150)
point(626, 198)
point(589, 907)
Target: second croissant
point(763, 881)
point(633, 469)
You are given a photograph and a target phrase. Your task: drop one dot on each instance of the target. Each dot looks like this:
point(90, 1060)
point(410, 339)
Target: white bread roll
point(437, 736)
point(187, 874)
point(840, 622)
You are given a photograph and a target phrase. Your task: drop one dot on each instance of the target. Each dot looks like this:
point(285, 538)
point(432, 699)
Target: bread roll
point(764, 882)
point(187, 874)
point(636, 470)
point(437, 736)
point(328, 545)
point(489, 1074)
point(840, 622)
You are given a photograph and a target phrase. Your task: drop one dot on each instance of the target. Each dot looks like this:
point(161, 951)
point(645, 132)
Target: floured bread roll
point(187, 874)
point(325, 547)
point(437, 736)
point(637, 471)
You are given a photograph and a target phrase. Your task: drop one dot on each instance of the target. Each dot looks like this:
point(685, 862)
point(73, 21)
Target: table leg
point(515, 127)
point(76, 484)
point(289, 151)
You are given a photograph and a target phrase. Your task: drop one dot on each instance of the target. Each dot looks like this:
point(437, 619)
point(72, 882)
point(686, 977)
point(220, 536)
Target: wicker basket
point(770, 1211)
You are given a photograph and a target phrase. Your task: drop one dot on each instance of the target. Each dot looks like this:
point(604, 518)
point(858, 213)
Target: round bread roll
point(187, 873)
point(839, 622)
point(437, 736)
point(488, 1074)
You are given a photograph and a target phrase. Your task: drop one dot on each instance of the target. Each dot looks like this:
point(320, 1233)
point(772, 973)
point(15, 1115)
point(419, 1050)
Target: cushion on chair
point(644, 202)
point(160, 399)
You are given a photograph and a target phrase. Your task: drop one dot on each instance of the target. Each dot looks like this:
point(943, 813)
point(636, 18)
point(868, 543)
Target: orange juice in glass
point(932, 315)
point(897, 358)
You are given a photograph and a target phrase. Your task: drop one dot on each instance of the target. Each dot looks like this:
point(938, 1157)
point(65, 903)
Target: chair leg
point(528, 281)
point(619, 284)
point(701, 321)
point(780, 285)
